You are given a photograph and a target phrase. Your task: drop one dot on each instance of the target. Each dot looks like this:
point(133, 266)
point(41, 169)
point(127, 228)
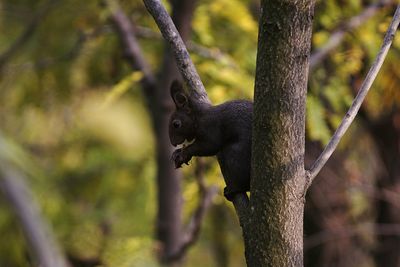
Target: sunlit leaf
point(119, 89)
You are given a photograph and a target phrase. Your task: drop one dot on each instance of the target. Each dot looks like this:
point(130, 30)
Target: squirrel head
point(182, 124)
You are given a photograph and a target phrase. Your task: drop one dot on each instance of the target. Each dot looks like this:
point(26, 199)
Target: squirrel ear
point(178, 95)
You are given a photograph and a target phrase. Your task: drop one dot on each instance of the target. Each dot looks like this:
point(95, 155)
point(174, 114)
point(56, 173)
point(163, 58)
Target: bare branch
point(203, 51)
point(337, 36)
point(69, 55)
point(27, 33)
point(133, 52)
point(352, 112)
point(41, 240)
point(206, 195)
point(171, 35)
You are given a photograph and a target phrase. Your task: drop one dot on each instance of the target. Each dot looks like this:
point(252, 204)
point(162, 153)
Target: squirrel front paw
point(179, 157)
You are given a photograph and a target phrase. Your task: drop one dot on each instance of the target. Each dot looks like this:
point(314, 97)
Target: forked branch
point(355, 106)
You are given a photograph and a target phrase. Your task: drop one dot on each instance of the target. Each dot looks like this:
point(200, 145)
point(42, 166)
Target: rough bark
point(278, 175)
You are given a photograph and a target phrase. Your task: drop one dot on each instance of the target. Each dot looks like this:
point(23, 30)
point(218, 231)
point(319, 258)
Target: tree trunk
point(275, 232)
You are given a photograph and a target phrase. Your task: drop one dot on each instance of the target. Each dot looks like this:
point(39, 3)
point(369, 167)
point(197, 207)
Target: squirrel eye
point(177, 124)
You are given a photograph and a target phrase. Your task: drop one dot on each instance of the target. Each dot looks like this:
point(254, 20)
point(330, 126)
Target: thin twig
point(352, 112)
point(41, 240)
point(134, 55)
point(203, 51)
point(338, 36)
point(171, 35)
point(206, 195)
point(26, 34)
point(132, 52)
point(69, 55)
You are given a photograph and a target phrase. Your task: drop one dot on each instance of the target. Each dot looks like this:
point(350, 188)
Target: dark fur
point(223, 130)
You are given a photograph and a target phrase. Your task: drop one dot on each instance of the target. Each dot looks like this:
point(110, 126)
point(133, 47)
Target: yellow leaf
point(120, 88)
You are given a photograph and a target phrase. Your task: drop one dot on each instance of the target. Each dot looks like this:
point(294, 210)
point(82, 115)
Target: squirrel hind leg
point(229, 194)
point(235, 168)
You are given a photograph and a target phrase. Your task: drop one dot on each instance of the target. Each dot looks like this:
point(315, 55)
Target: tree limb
point(132, 52)
point(27, 33)
point(171, 35)
point(352, 112)
point(69, 55)
point(41, 240)
point(203, 51)
point(338, 35)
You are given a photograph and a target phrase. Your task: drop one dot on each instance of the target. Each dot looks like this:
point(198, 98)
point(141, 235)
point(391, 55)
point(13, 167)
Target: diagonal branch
point(338, 36)
point(27, 33)
point(352, 112)
point(171, 35)
point(132, 52)
point(69, 55)
point(203, 51)
point(41, 240)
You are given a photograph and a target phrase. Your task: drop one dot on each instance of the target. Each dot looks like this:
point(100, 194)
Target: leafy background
point(72, 116)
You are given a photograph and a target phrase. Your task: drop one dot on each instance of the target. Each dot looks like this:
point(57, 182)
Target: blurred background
point(83, 118)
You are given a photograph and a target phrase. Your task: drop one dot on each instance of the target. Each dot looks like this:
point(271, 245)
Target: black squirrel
point(200, 129)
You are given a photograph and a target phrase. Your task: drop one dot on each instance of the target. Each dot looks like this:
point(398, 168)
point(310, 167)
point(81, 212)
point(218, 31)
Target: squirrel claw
point(180, 158)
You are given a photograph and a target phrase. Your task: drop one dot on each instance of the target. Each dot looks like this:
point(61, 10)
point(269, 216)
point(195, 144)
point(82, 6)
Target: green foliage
point(316, 126)
point(228, 28)
point(336, 81)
